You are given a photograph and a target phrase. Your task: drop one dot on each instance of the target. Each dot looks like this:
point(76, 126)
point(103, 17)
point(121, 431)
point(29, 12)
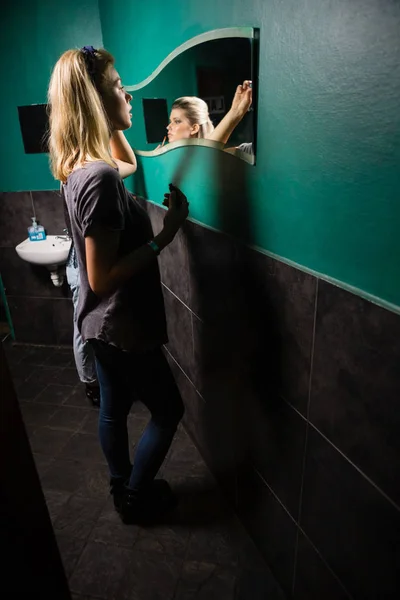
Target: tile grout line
point(182, 302)
point(33, 204)
point(300, 530)
point(343, 455)
point(184, 372)
point(300, 505)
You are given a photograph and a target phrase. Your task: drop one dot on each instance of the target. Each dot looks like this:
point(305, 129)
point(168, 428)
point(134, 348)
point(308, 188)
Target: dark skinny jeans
point(123, 378)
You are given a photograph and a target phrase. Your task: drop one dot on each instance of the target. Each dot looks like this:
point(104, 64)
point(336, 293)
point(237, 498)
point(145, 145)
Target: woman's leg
point(120, 375)
point(116, 401)
point(157, 389)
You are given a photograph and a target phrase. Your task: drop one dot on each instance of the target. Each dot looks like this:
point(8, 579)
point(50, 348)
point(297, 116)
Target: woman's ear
point(194, 129)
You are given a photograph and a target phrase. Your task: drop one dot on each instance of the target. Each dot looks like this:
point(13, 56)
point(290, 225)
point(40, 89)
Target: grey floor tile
point(78, 517)
point(64, 475)
point(54, 394)
point(213, 544)
point(257, 585)
point(109, 529)
point(68, 376)
point(37, 414)
point(139, 410)
point(84, 447)
point(49, 441)
point(206, 581)
point(169, 540)
point(43, 374)
point(70, 549)
point(55, 502)
point(29, 390)
point(91, 423)
point(61, 358)
point(78, 397)
point(150, 577)
point(20, 373)
point(15, 353)
point(95, 481)
point(37, 355)
point(100, 570)
point(77, 477)
point(69, 418)
point(136, 426)
point(43, 463)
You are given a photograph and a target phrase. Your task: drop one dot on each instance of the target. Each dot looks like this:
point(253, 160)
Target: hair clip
point(90, 60)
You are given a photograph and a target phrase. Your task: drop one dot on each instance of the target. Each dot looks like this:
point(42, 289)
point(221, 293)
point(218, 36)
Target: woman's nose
point(129, 97)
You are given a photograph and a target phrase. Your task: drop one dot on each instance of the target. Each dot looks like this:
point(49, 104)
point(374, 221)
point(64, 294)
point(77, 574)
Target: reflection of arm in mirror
point(123, 154)
point(240, 105)
point(246, 147)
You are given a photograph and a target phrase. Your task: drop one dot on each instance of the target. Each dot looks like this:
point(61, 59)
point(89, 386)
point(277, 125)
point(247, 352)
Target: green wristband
point(154, 247)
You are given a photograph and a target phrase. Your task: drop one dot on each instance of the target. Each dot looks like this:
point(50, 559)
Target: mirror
point(209, 67)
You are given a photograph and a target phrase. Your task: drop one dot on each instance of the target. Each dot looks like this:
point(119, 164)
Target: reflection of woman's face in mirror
point(179, 127)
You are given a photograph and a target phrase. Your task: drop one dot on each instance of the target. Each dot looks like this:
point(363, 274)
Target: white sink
point(51, 253)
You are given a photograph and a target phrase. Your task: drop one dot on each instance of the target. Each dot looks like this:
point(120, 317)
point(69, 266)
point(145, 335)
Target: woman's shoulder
point(95, 172)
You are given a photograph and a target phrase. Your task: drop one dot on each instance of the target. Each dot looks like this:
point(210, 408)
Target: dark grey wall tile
point(188, 392)
point(33, 320)
point(265, 430)
point(275, 436)
point(214, 284)
point(16, 211)
point(356, 383)
point(21, 278)
point(355, 528)
point(280, 306)
point(49, 211)
point(63, 315)
point(211, 427)
point(217, 443)
point(264, 308)
point(217, 360)
point(271, 528)
point(313, 579)
point(173, 259)
point(179, 323)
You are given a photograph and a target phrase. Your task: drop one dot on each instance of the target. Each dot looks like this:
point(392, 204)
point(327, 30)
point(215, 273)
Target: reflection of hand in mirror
point(240, 105)
point(242, 99)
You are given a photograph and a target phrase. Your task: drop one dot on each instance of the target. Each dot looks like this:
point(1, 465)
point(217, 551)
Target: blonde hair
point(196, 111)
point(79, 127)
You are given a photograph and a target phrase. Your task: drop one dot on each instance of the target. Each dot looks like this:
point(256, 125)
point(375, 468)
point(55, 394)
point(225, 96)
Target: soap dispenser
point(36, 232)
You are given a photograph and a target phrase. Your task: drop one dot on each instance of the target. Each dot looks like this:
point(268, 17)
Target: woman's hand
point(177, 213)
point(242, 99)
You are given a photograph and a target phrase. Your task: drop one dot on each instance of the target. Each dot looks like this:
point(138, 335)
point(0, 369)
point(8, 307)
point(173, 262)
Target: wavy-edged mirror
point(210, 67)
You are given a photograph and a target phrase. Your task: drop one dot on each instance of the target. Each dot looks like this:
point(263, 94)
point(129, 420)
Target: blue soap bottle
point(36, 232)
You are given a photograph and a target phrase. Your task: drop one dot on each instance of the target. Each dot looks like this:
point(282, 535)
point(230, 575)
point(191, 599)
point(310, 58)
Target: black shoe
point(93, 393)
point(149, 506)
point(118, 490)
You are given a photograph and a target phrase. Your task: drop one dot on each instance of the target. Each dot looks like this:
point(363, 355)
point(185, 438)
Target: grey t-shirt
point(133, 317)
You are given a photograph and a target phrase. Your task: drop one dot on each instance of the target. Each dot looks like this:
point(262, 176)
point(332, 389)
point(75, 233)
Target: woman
point(189, 117)
point(120, 308)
